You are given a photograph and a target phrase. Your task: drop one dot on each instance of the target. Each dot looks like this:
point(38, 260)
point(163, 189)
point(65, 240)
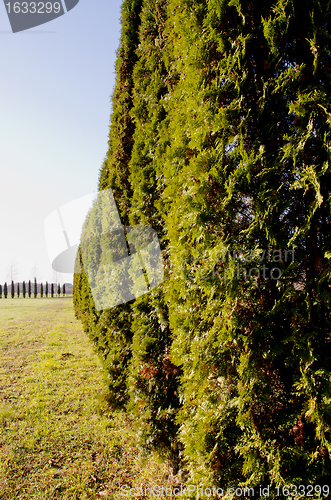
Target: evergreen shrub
point(220, 141)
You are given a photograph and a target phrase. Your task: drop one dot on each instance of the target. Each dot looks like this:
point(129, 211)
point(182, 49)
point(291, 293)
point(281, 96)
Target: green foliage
point(122, 128)
point(29, 289)
point(220, 140)
point(35, 288)
point(153, 378)
point(18, 290)
point(110, 330)
point(23, 289)
point(12, 289)
point(41, 290)
point(5, 290)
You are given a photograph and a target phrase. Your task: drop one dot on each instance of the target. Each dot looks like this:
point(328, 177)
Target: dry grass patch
point(58, 438)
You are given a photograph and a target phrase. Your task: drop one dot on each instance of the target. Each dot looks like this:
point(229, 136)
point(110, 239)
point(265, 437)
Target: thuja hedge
point(220, 140)
point(111, 330)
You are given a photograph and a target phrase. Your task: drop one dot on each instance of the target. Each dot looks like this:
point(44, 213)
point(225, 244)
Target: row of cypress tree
point(220, 141)
point(26, 290)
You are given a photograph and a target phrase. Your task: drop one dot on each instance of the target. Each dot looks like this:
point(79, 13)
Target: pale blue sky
point(55, 88)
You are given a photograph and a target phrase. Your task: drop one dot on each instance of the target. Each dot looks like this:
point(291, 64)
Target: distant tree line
point(25, 289)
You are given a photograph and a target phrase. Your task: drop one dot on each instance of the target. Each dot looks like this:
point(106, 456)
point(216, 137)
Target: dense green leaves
point(220, 141)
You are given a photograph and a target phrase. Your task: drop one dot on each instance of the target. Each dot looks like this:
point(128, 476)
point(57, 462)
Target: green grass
point(58, 438)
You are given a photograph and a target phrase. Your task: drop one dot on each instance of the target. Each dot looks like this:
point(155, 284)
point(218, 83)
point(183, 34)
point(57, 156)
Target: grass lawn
point(58, 439)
